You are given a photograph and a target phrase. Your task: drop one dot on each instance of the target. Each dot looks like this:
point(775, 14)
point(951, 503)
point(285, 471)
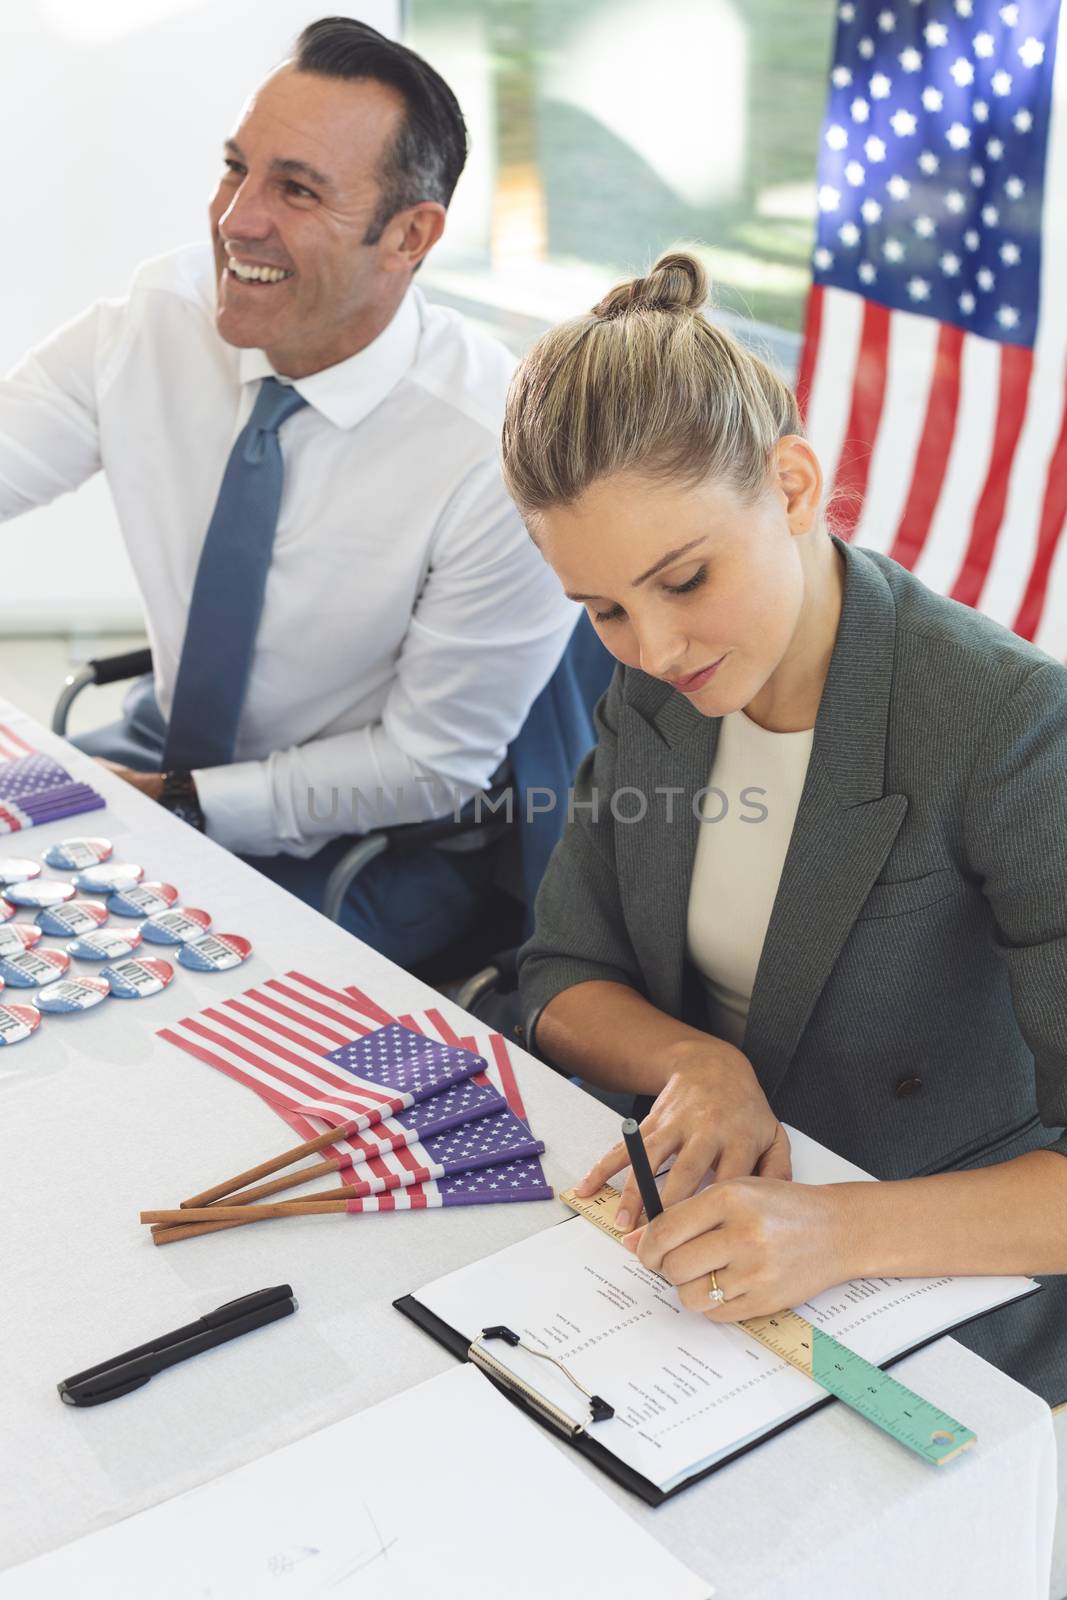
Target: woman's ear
point(800, 481)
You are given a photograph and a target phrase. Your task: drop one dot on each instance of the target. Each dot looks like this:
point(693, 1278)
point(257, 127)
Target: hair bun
point(676, 283)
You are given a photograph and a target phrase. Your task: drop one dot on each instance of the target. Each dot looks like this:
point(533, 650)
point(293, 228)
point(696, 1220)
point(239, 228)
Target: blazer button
point(908, 1086)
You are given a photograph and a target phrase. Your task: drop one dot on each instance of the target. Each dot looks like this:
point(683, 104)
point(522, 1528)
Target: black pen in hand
point(642, 1170)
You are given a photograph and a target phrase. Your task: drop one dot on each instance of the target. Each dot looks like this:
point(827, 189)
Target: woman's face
point(690, 584)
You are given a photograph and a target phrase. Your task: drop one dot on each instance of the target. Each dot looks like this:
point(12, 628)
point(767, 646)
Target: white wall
point(112, 115)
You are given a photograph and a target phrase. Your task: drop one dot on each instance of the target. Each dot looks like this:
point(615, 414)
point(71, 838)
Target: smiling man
point(348, 624)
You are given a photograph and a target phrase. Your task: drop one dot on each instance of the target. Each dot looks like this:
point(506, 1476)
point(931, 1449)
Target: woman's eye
point(608, 616)
point(690, 583)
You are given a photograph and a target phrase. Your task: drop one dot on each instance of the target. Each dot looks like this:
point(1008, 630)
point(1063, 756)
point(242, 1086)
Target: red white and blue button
point(137, 979)
point(215, 952)
point(17, 1022)
point(108, 875)
point(78, 916)
point(177, 926)
point(107, 944)
point(16, 869)
point(71, 855)
point(29, 969)
point(7, 910)
point(18, 936)
point(79, 993)
point(142, 900)
point(42, 892)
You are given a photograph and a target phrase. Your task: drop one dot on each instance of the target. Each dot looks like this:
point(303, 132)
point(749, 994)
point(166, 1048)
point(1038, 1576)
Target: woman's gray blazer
point(910, 1004)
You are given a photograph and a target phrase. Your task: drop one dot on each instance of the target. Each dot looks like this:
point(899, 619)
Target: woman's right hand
point(711, 1112)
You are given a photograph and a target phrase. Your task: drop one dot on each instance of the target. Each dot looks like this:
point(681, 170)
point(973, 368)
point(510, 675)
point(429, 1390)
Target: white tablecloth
point(100, 1118)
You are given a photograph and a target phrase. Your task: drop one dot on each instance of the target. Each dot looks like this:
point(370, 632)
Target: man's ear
point(411, 235)
point(800, 481)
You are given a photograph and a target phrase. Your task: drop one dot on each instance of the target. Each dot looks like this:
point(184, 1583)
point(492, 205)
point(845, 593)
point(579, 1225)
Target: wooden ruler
point(897, 1410)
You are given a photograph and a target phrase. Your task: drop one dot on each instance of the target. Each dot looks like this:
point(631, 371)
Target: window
point(605, 131)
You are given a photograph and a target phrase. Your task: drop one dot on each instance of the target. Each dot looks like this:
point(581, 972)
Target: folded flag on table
point(35, 789)
point(318, 1056)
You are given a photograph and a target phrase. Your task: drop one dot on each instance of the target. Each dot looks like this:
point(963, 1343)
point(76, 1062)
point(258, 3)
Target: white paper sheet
point(685, 1391)
point(446, 1490)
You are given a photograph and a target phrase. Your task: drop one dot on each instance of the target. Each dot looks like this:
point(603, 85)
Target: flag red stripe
point(1050, 530)
point(1016, 365)
point(444, 1028)
point(20, 744)
point(14, 825)
point(810, 350)
point(277, 1103)
point(263, 998)
point(508, 1081)
point(935, 444)
point(315, 1005)
point(373, 1113)
point(278, 1027)
point(323, 1073)
point(351, 994)
point(868, 398)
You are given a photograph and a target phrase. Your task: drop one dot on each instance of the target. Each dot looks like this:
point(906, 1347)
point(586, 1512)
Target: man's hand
point(149, 783)
point(772, 1244)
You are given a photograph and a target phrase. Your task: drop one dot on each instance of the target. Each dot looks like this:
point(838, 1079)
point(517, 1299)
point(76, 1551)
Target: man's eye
point(233, 166)
point(299, 191)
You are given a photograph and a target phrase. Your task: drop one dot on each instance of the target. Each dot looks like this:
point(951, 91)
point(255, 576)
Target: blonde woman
point(817, 867)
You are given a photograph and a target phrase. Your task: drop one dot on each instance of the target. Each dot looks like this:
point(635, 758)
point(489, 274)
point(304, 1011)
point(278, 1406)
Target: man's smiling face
point(289, 220)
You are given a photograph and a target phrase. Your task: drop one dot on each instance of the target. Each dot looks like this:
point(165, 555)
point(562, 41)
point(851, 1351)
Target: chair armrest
point(105, 669)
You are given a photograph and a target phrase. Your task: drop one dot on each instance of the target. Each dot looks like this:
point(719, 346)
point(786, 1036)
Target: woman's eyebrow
point(664, 561)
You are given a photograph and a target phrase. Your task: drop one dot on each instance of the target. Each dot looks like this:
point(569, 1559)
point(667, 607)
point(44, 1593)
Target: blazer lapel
point(669, 744)
point(844, 829)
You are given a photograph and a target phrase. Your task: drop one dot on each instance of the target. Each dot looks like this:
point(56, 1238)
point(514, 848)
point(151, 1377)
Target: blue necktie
point(224, 612)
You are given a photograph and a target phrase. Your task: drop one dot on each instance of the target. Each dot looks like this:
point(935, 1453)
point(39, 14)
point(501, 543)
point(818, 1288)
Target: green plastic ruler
point(897, 1410)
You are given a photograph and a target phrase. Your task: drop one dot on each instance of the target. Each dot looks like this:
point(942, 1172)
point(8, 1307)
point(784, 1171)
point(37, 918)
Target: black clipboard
point(585, 1442)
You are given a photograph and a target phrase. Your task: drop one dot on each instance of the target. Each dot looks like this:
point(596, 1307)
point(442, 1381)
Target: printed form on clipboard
point(687, 1394)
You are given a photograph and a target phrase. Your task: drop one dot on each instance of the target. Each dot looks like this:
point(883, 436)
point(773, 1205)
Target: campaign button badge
point(77, 916)
point(17, 1023)
point(215, 952)
point(18, 936)
point(177, 926)
point(73, 994)
point(17, 869)
point(43, 892)
point(136, 980)
point(142, 900)
point(109, 875)
point(107, 944)
point(70, 855)
point(7, 910)
point(27, 969)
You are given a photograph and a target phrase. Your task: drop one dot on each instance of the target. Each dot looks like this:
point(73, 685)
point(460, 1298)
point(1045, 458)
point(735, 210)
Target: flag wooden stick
point(319, 1204)
point(291, 1180)
point(171, 1235)
point(220, 1216)
point(265, 1168)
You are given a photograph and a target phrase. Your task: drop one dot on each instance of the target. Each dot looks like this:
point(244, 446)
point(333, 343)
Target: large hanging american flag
point(935, 351)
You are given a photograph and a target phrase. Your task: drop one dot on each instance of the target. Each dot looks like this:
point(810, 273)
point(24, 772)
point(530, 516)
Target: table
point(101, 1118)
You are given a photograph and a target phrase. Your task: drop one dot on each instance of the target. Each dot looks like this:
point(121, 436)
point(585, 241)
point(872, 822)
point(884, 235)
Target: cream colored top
point(755, 785)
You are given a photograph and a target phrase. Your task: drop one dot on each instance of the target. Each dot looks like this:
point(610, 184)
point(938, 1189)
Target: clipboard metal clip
point(599, 1409)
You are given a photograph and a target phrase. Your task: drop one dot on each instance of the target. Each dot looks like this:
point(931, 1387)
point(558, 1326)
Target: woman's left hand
point(772, 1245)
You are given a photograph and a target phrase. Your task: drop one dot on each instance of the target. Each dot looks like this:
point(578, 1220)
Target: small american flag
point(935, 352)
point(35, 789)
point(296, 1042)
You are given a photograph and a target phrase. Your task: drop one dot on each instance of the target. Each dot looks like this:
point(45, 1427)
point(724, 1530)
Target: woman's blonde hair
point(643, 383)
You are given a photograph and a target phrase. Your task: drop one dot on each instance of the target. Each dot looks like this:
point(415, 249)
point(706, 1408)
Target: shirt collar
point(349, 391)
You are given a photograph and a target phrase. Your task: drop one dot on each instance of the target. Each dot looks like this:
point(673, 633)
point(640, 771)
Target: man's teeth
point(256, 274)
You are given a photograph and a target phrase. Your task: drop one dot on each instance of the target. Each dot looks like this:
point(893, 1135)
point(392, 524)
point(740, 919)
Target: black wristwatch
point(179, 797)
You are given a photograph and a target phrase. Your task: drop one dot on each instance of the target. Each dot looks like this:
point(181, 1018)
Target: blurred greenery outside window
point(604, 132)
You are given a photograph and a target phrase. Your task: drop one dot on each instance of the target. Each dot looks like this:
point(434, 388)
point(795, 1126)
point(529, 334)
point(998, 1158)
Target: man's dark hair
point(430, 149)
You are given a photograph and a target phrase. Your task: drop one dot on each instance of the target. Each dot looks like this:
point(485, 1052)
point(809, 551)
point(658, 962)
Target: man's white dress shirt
point(409, 621)
point(755, 785)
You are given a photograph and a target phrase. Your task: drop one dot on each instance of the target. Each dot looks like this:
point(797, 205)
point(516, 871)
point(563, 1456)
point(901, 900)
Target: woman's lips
point(696, 680)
